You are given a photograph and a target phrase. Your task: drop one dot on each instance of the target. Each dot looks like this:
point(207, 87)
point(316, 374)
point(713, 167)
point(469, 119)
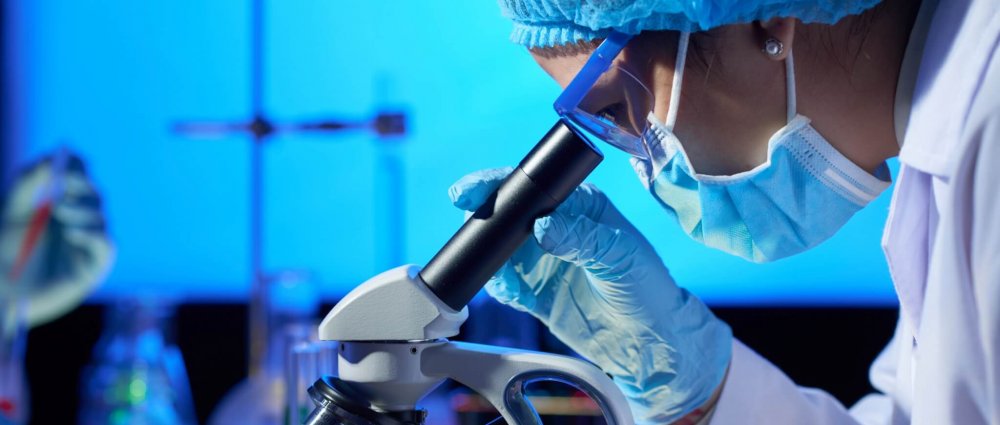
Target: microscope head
point(395, 305)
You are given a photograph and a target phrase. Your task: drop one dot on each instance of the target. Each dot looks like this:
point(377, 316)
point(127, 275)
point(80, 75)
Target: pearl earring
point(773, 47)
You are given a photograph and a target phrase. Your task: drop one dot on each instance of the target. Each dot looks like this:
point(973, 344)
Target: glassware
point(137, 376)
point(261, 399)
point(307, 362)
point(13, 335)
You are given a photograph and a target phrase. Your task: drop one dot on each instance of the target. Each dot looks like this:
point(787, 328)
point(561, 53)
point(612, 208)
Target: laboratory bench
point(830, 348)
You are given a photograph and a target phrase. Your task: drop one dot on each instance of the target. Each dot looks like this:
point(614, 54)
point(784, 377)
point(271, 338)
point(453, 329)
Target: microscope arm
point(394, 327)
point(500, 375)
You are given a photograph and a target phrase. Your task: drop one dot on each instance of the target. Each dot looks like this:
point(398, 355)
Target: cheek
point(726, 117)
point(718, 149)
point(724, 135)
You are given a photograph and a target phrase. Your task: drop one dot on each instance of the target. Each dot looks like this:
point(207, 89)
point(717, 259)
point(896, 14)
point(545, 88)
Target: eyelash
point(608, 113)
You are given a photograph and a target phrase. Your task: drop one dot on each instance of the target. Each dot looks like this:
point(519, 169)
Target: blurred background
point(158, 98)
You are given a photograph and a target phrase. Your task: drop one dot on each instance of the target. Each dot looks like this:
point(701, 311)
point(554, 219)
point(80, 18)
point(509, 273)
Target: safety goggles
point(608, 102)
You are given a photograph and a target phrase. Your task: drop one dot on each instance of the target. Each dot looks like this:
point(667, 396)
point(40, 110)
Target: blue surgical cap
point(544, 23)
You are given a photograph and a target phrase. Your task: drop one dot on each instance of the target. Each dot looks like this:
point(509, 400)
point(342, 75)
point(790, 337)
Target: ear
point(782, 29)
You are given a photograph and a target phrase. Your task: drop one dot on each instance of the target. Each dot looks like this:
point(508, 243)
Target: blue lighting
point(113, 79)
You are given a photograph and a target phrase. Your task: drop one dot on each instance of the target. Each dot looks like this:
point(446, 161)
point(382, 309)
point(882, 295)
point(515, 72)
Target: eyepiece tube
point(542, 181)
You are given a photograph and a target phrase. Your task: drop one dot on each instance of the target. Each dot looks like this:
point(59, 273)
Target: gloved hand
point(72, 255)
point(600, 287)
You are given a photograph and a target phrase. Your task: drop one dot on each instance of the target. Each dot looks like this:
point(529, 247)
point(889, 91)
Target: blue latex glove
point(600, 287)
point(74, 252)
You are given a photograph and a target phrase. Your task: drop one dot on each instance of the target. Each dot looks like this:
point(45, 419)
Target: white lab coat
point(942, 242)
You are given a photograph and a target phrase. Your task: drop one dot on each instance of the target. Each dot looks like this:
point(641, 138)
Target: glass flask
point(307, 362)
point(261, 399)
point(136, 376)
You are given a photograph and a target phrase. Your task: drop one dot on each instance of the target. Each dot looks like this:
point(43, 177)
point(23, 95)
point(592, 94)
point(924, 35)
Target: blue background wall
point(110, 78)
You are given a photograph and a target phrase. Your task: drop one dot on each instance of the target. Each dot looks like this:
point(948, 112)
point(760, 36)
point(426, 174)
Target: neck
point(850, 89)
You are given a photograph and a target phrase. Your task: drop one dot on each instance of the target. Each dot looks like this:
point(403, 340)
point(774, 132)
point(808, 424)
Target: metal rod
point(394, 236)
point(258, 293)
point(261, 128)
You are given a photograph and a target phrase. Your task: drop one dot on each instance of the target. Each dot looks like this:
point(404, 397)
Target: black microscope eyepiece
point(542, 181)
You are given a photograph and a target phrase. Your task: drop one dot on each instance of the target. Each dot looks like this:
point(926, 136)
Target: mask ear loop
point(675, 89)
point(792, 110)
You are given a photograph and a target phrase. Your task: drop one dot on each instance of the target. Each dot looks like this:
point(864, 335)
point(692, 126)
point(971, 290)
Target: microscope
point(393, 329)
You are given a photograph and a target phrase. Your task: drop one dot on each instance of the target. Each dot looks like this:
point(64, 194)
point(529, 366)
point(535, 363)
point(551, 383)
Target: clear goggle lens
point(614, 110)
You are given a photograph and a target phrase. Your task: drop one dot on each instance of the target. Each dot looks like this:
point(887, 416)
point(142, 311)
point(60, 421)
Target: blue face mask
point(801, 196)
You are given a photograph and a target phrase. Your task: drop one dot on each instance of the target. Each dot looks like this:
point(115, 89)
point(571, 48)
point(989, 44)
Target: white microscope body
point(393, 329)
point(394, 350)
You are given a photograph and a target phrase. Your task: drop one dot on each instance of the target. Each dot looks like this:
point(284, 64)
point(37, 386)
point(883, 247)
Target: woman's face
point(723, 122)
point(733, 97)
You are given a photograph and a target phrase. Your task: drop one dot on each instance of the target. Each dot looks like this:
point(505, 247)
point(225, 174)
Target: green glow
point(119, 417)
point(137, 390)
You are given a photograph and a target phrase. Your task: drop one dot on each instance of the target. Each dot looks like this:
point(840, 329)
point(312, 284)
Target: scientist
point(49, 262)
point(72, 254)
point(763, 154)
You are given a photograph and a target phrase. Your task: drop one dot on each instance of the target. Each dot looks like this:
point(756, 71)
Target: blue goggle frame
point(599, 62)
point(592, 125)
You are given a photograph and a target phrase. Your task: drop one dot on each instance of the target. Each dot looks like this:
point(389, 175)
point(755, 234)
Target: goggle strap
point(675, 90)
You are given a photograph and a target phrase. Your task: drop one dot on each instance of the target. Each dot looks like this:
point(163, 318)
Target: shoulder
point(954, 94)
point(976, 170)
point(978, 119)
point(981, 129)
